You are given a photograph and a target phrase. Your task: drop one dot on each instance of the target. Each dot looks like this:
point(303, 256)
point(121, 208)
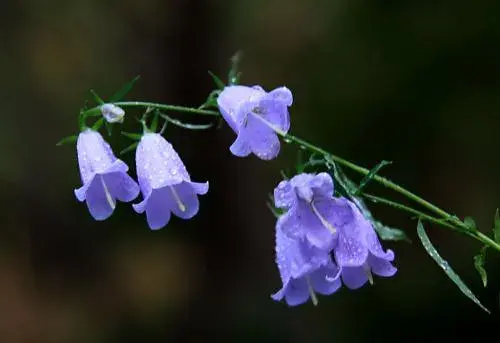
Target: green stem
point(485, 239)
point(419, 214)
point(166, 107)
point(364, 171)
point(446, 219)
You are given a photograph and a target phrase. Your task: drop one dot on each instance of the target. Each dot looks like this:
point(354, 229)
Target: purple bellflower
point(311, 209)
point(104, 176)
point(358, 251)
point(256, 116)
point(165, 184)
point(304, 270)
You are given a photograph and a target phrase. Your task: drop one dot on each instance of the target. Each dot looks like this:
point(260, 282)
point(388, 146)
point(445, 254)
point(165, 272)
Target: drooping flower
point(104, 176)
point(165, 184)
point(256, 116)
point(304, 270)
point(358, 250)
point(312, 211)
point(112, 113)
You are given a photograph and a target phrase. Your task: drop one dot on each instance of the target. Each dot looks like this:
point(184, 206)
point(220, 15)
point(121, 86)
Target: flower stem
point(445, 219)
point(387, 183)
point(166, 107)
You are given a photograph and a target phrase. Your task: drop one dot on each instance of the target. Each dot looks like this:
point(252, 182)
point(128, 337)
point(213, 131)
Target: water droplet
point(287, 140)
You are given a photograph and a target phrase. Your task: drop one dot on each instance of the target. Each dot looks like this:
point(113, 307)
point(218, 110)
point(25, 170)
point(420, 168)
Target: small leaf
point(388, 233)
point(366, 180)
point(496, 229)
point(131, 147)
point(234, 74)
point(98, 124)
point(186, 125)
point(211, 100)
point(97, 98)
point(433, 253)
point(479, 261)
point(133, 136)
point(66, 140)
point(470, 223)
point(109, 128)
point(154, 122)
point(120, 94)
point(218, 82)
point(277, 212)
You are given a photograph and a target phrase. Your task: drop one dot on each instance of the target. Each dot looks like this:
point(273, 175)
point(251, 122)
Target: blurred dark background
point(415, 82)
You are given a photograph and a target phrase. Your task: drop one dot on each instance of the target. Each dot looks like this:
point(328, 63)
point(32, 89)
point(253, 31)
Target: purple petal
point(158, 164)
point(381, 267)
point(301, 222)
point(374, 245)
point(354, 277)
point(200, 188)
point(284, 195)
point(100, 203)
point(121, 186)
point(230, 101)
point(182, 200)
point(297, 292)
point(282, 94)
point(240, 147)
point(350, 252)
point(157, 212)
point(261, 139)
point(326, 280)
point(323, 185)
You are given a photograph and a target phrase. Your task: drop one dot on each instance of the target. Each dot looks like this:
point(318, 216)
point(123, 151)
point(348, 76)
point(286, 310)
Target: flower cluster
point(163, 180)
point(323, 239)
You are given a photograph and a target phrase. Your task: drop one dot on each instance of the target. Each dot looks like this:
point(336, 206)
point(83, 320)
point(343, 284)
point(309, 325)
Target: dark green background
point(415, 82)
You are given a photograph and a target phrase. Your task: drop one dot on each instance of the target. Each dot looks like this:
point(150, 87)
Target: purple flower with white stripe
point(312, 211)
point(304, 270)
point(165, 184)
point(358, 250)
point(256, 116)
point(104, 176)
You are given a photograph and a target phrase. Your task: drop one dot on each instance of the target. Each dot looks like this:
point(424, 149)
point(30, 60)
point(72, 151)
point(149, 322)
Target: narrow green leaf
point(97, 98)
point(469, 221)
point(388, 233)
point(154, 122)
point(120, 94)
point(66, 140)
point(366, 180)
point(133, 136)
point(98, 124)
point(130, 148)
point(433, 253)
point(218, 82)
point(275, 211)
point(496, 229)
point(234, 74)
point(186, 125)
point(479, 262)
point(211, 100)
point(109, 128)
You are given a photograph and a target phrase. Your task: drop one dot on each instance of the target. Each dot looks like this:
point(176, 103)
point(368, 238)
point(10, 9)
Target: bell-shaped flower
point(256, 116)
point(358, 250)
point(112, 113)
point(312, 211)
point(104, 176)
point(165, 184)
point(304, 270)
